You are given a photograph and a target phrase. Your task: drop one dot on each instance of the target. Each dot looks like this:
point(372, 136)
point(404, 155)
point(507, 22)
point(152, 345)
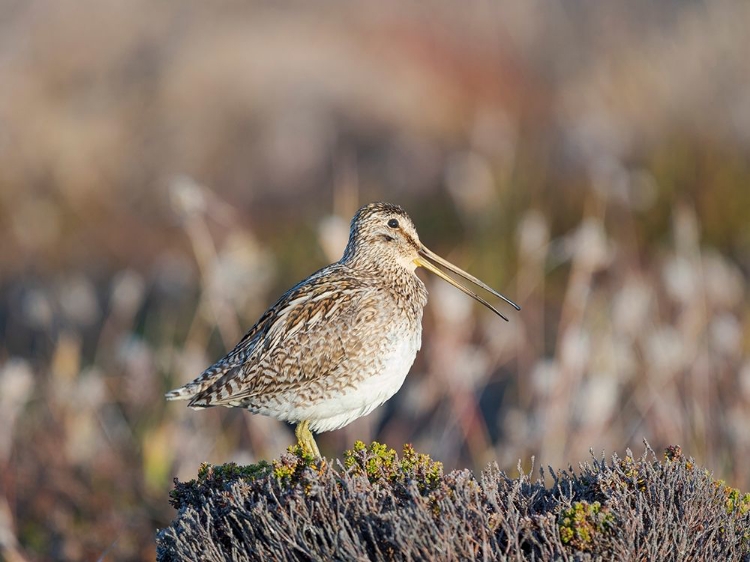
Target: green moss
point(289, 469)
point(382, 464)
point(430, 472)
point(734, 501)
point(215, 477)
point(581, 523)
point(376, 462)
point(231, 471)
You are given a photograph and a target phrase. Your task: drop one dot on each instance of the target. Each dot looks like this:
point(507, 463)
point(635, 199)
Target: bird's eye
point(393, 223)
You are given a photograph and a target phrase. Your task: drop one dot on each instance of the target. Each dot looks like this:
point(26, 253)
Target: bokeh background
point(168, 169)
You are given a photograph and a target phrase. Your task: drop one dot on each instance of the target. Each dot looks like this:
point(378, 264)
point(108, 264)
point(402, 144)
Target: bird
point(340, 343)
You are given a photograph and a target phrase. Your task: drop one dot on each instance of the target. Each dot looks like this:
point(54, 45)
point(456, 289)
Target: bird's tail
point(182, 393)
point(199, 385)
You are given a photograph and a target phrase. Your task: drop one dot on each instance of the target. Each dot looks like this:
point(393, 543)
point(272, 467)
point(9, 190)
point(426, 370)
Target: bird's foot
point(305, 439)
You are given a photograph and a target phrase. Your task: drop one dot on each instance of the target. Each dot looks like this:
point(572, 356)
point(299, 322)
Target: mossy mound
point(378, 505)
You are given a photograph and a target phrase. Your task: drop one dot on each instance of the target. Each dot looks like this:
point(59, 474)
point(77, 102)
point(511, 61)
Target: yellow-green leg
point(305, 438)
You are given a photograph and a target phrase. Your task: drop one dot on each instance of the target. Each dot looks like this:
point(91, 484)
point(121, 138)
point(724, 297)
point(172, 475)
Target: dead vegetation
point(377, 505)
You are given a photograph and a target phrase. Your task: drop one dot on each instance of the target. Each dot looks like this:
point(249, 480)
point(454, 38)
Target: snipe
point(340, 343)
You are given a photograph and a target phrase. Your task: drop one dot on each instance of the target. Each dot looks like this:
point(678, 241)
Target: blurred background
point(168, 169)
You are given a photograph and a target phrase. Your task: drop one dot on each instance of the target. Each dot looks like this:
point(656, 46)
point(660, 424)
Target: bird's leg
point(305, 438)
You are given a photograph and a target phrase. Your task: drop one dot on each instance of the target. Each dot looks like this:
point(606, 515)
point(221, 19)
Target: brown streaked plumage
point(340, 343)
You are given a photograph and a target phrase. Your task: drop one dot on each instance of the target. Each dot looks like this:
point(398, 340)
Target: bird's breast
point(376, 378)
point(389, 336)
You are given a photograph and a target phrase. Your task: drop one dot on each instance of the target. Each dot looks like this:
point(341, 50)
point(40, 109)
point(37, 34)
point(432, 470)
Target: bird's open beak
point(425, 259)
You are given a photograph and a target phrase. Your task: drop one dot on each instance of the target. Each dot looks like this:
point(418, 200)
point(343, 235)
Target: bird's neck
point(389, 272)
point(375, 265)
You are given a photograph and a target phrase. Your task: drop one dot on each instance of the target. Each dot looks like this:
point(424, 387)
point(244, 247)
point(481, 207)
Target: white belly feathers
point(359, 400)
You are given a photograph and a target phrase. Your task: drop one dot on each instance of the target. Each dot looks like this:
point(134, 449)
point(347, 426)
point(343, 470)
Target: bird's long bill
point(425, 259)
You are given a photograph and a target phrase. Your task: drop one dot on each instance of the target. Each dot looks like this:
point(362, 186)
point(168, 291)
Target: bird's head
point(382, 234)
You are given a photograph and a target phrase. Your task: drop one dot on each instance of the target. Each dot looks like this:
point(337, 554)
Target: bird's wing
point(297, 341)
